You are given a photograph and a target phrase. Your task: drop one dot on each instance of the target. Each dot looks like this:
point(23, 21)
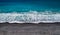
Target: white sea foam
point(29, 17)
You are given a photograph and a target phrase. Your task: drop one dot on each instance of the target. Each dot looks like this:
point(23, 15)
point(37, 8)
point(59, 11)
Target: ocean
point(29, 11)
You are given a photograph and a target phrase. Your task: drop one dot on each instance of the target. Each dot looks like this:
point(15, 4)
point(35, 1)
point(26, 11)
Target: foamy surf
point(30, 17)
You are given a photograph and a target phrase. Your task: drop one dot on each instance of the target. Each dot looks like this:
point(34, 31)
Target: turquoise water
point(33, 11)
point(8, 7)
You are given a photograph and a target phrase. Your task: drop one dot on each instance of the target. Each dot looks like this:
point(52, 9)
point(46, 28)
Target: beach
point(29, 29)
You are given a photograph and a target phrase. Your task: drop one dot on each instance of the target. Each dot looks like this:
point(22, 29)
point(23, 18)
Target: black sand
point(29, 29)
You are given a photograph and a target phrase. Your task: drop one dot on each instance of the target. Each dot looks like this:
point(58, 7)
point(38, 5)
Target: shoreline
point(31, 23)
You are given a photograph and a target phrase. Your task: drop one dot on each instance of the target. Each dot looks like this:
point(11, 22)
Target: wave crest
point(30, 17)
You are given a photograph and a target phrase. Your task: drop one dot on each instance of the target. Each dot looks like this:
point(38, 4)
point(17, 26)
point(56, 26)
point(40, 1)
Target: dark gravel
point(29, 29)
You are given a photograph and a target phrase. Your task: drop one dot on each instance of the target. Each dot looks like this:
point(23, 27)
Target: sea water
point(28, 13)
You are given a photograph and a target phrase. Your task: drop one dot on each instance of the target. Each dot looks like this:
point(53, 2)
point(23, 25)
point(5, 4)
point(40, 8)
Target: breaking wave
point(30, 17)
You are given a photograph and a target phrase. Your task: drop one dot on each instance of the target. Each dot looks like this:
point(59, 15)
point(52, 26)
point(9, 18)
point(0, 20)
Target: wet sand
point(30, 29)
